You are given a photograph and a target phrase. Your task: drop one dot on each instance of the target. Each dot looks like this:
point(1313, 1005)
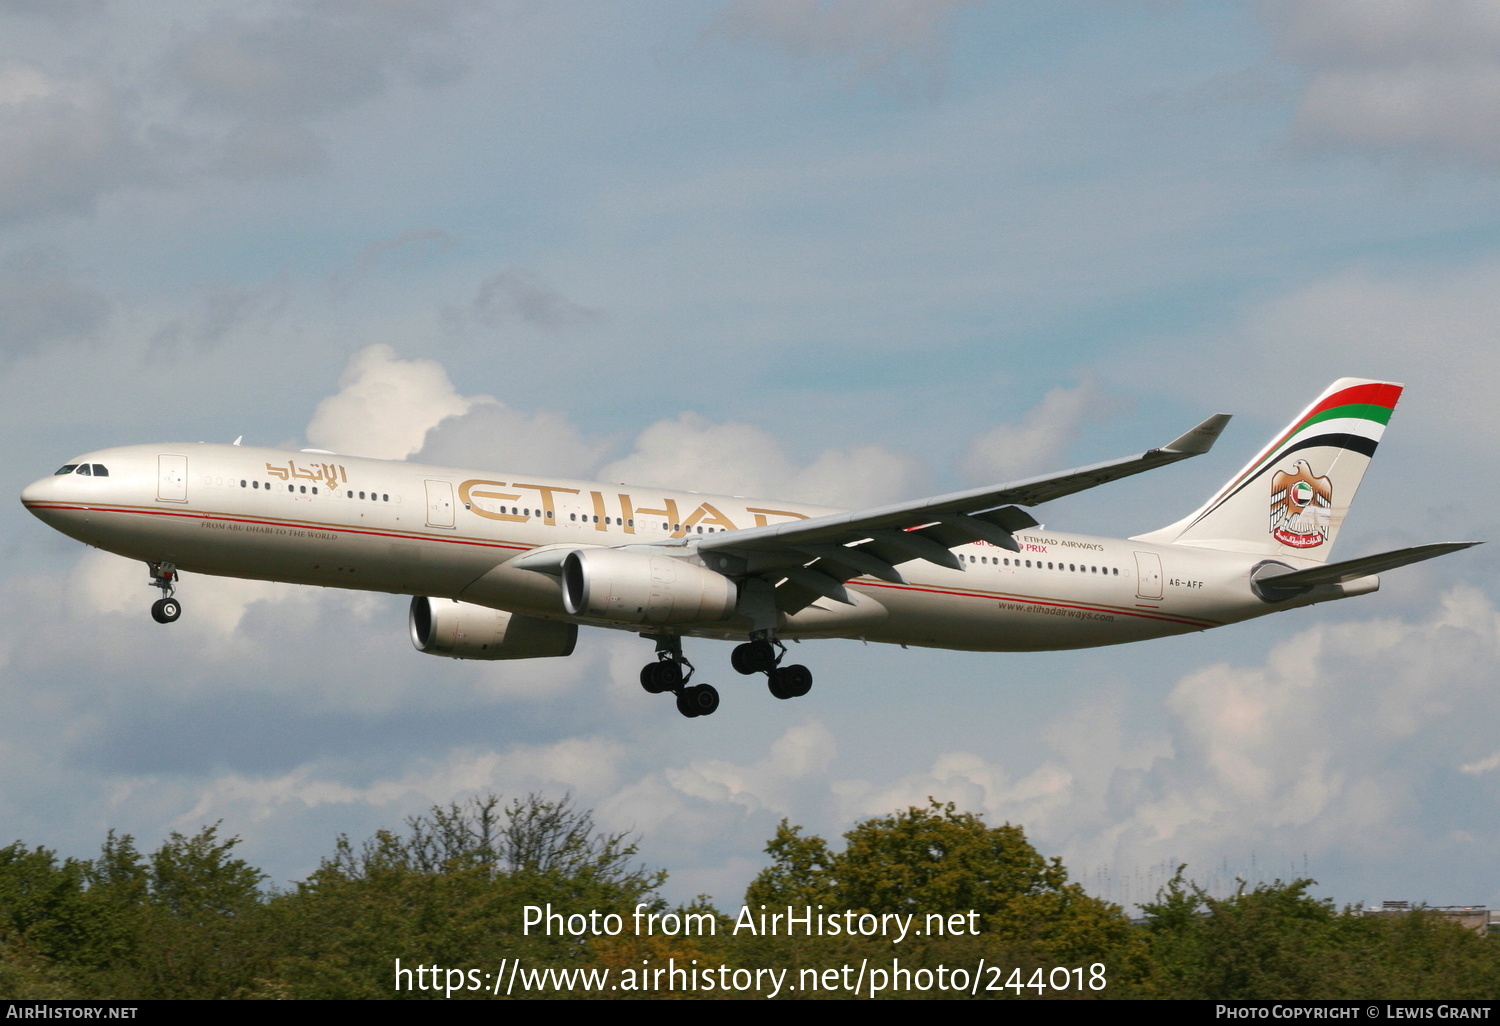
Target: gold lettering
point(627, 514)
point(707, 514)
point(761, 514)
point(668, 510)
point(601, 519)
point(469, 497)
point(550, 507)
point(280, 472)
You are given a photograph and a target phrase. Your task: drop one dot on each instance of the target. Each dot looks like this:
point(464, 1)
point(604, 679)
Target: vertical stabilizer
point(1293, 496)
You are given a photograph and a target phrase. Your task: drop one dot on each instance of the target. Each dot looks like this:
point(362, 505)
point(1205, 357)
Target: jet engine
point(634, 587)
point(462, 630)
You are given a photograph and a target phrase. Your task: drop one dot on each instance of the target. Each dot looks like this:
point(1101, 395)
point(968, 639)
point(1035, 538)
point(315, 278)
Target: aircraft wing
point(813, 557)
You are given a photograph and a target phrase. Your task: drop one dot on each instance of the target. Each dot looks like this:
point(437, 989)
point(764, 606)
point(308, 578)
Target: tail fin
point(1293, 496)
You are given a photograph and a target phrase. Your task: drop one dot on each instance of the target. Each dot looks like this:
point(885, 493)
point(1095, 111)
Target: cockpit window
point(83, 468)
point(100, 470)
point(67, 469)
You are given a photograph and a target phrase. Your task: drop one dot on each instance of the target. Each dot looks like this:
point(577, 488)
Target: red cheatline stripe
point(300, 525)
point(1038, 602)
point(314, 525)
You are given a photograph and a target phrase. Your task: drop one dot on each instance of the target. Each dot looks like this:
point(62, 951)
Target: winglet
point(1200, 439)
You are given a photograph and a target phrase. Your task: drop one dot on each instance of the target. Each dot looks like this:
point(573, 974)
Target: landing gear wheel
point(648, 679)
point(662, 676)
point(753, 657)
point(797, 679)
point(164, 577)
point(790, 681)
point(698, 700)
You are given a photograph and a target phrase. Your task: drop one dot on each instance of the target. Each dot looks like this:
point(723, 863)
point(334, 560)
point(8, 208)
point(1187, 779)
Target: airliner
point(507, 567)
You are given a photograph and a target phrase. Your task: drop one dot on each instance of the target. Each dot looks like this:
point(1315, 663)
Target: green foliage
point(938, 860)
point(451, 891)
point(189, 920)
point(1276, 941)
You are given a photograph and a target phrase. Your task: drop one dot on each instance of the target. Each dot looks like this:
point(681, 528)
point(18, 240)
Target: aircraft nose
point(38, 493)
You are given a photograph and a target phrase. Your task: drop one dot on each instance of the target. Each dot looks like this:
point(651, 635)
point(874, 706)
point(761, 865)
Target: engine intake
point(633, 587)
point(462, 630)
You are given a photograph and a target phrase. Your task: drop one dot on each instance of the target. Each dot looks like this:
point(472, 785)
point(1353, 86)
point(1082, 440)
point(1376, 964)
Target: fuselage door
point(171, 478)
point(1147, 575)
point(439, 504)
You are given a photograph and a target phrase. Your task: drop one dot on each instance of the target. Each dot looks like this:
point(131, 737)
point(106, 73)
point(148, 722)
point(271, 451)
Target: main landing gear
point(164, 576)
point(763, 655)
point(671, 672)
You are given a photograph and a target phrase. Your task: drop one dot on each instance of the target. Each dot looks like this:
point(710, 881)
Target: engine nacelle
point(461, 630)
point(633, 587)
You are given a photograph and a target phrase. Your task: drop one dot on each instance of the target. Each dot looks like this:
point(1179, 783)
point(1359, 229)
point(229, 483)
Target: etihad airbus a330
point(508, 568)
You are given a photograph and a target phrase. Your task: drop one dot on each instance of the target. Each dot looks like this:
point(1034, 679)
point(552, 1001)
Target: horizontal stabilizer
point(1352, 569)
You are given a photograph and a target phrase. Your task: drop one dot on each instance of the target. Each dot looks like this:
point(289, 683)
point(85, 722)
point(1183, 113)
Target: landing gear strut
point(671, 672)
point(763, 654)
point(164, 576)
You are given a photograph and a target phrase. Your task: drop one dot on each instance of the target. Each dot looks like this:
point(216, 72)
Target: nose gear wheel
point(164, 576)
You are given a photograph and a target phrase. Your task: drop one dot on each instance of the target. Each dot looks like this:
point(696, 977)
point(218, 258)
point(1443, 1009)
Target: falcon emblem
point(1301, 506)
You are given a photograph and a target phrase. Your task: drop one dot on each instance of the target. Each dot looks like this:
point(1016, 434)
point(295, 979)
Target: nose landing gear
point(671, 672)
point(164, 576)
point(763, 655)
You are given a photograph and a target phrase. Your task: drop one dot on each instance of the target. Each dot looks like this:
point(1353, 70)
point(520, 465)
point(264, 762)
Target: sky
point(844, 251)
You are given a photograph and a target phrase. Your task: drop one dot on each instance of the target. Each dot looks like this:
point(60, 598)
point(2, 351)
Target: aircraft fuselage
point(378, 525)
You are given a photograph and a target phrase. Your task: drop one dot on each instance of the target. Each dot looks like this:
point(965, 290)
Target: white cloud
point(1440, 327)
point(1038, 442)
point(742, 459)
point(803, 751)
point(1482, 765)
point(492, 436)
point(63, 141)
point(1415, 77)
point(386, 405)
point(267, 80)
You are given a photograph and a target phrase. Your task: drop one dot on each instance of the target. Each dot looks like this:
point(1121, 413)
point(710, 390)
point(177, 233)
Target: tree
point(451, 890)
point(1277, 941)
point(938, 860)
